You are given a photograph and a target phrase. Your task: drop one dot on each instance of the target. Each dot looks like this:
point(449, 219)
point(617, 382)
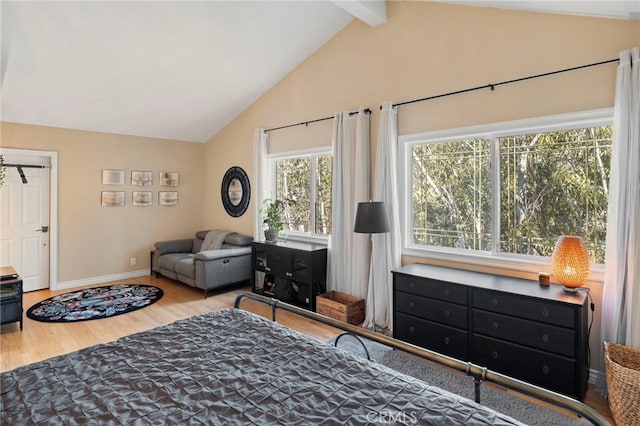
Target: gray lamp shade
point(371, 218)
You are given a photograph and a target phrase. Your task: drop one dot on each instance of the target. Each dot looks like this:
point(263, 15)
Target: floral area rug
point(95, 303)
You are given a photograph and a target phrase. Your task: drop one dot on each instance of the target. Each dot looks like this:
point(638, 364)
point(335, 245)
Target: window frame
point(313, 154)
point(493, 131)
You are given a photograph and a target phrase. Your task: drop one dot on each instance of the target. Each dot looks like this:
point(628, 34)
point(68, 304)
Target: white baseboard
point(100, 280)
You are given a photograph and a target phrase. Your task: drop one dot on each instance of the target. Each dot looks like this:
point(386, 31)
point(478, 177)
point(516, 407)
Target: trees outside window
point(510, 192)
point(306, 179)
point(451, 194)
point(552, 184)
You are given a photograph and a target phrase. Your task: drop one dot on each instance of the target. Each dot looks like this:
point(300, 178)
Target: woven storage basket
point(622, 365)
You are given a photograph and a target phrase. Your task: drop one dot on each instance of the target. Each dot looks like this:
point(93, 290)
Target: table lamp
point(570, 262)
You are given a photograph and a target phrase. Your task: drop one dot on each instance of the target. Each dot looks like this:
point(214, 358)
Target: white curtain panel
point(260, 184)
point(386, 249)
point(349, 253)
point(621, 294)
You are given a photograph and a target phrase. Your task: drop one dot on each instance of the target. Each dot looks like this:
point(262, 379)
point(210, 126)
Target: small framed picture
point(142, 198)
point(112, 198)
point(169, 179)
point(141, 178)
point(168, 198)
point(112, 177)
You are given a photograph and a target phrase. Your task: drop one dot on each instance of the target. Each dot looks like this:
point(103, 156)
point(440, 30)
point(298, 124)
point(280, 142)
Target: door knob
point(43, 229)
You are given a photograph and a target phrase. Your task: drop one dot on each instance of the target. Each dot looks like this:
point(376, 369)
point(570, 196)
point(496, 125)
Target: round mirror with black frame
point(236, 191)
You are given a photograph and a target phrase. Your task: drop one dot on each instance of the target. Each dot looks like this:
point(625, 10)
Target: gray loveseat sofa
point(185, 260)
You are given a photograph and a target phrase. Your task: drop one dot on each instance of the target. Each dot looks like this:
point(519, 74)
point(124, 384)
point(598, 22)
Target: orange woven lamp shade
point(570, 262)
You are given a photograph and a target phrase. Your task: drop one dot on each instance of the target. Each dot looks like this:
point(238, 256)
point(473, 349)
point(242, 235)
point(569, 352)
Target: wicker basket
point(622, 365)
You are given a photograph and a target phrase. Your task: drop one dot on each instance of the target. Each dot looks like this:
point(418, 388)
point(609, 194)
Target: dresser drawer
point(436, 337)
point(543, 369)
point(432, 288)
point(432, 309)
point(535, 334)
point(524, 307)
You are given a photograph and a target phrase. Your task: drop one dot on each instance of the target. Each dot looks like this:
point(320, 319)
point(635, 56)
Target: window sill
point(515, 265)
point(307, 238)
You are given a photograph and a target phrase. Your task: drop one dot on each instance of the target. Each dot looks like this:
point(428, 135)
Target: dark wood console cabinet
point(300, 268)
point(509, 325)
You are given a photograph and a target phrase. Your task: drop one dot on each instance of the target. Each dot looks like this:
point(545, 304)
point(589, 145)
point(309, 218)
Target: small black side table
point(151, 254)
point(10, 296)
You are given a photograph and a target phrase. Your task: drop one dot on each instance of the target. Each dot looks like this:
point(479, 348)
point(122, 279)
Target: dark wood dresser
point(509, 325)
point(299, 267)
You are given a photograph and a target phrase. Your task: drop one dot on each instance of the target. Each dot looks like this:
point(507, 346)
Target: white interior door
point(24, 221)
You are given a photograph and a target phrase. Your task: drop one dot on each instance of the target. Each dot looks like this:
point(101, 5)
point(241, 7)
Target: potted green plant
point(2, 170)
point(272, 211)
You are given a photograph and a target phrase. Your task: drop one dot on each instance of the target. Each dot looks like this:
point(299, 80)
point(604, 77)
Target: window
point(509, 190)
point(306, 179)
point(451, 194)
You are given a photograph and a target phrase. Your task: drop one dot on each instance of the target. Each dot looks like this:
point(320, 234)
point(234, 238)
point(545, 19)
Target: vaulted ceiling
point(175, 69)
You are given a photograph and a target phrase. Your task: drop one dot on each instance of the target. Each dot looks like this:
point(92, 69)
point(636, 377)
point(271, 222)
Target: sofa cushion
point(174, 246)
point(184, 268)
point(232, 239)
point(238, 239)
point(222, 253)
point(168, 261)
point(201, 234)
point(197, 245)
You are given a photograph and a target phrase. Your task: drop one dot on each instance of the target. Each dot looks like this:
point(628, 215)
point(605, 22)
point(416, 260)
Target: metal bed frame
point(478, 373)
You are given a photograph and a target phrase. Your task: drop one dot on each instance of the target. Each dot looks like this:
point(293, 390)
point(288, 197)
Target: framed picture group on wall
point(139, 178)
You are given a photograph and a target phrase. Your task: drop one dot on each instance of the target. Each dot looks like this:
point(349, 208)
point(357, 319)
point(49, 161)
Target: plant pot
point(270, 235)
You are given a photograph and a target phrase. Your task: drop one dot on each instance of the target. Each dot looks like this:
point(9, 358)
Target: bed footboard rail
point(478, 373)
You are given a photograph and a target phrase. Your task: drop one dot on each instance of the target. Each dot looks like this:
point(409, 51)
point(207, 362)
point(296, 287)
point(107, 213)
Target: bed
point(225, 367)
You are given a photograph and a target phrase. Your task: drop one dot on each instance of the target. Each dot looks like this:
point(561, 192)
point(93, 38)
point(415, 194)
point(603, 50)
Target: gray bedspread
point(222, 368)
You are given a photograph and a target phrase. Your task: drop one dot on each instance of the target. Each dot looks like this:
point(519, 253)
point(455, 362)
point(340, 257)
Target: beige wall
point(95, 241)
point(427, 49)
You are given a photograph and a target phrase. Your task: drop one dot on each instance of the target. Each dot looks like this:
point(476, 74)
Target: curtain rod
point(24, 166)
point(492, 86)
point(306, 123)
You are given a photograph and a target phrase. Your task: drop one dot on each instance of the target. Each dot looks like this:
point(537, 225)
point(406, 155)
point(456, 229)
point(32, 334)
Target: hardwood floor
point(39, 340)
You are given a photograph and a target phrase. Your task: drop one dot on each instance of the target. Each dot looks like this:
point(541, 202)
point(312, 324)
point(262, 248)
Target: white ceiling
point(175, 69)
point(616, 9)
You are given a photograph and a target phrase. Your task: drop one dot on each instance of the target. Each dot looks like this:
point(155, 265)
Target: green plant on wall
point(2, 170)
point(272, 212)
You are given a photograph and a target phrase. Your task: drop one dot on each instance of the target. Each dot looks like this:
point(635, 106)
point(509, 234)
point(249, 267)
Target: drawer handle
point(545, 338)
point(266, 268)
point(494, 325)
point(494, 354)
point(447, 292)
point(411, 329)
point(447, 314)
point(446, 340)
point(225, 261)
point(289, 274)
point(545, 313)
point(411, 284)
point(494, 302)
point(411, 305)
point(545, 369)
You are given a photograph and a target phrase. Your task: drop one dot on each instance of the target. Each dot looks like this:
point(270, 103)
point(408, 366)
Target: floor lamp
point(371, 218)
